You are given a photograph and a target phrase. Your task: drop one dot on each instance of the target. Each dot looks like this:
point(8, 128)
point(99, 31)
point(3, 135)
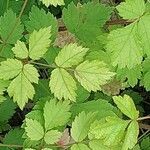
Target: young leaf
point(62, 84)
point(81, 126)
point(10, 68)
point(34, 129)
point(52, 136)
point(20, 50)
point(70, 55)
point(124, 48)
point(131, 9)
point(39, 41)
point(39, 19)
point(131, 136)
point(93, 74)
point(111, 131)
point(53, 2)
point(56, 113)
point(21, 88)
point(7, 25)
point(80, 146)
point(126, 105)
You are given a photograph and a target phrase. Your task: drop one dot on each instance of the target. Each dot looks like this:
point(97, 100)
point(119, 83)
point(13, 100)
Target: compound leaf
point(80, 146)
point(52, 136)
point(81, 126)
point(93, 74)
point(10, 68)
point(56, 113)
point(62, 84)
point(70, 55)
point(131, 9)
point(39, 41)
point(7, 25)
point(20, 50)
point(126, 105)
point(34, 129)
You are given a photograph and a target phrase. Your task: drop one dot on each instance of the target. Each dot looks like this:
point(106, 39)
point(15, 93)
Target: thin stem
point(11, 146)
point(143, 135)
point(40, 64)
point(143, 118)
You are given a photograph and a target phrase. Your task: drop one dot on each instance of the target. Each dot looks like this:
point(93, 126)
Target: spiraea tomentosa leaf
point(39, 41)
point(53, 2)
point(93, 74)
point(20, 87)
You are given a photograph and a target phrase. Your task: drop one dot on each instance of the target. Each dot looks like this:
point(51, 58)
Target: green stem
point(44, 65)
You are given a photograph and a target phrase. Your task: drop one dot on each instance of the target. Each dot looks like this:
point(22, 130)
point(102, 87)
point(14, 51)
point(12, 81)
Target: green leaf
point(124, 48)
point(20, 50)
point(53, 2)
point(34, 129)
point(131, 136)
point(143, 30)
point(7, 25)
point(10, 68)
point(80, 146)
point(3, 85)
point(56, 114)
point(111, 131)
point(81, 126)
point(126, 105)
point(84, 21)
point(62, 84)
point(145, 144)
point(39, 41)
point(14, 137)
point(70, 55)
point(21, 88)
point(131, 9)
point(52, 136)
point(131, 75)
point(93, 74)
point(7, 109)
point(102, 107)
point(40, 19)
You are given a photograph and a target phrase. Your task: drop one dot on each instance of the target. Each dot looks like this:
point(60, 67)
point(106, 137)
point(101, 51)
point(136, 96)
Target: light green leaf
point(3, 85)
point(21, 88)
point(143, 30)
point(127, 106)
point(7, 25)
point(56, 113)
point(39, 41)
point(53, 2)
point(111, 131)
point(20, 50)
point(131, 9)
point(80, 146)
point(70, 55)
point(81, 126)
point(52, 136)
point(10, 68)
point(93, 74)
point(124, 48)
point(40, 19)
point(34, 129)
point(131, 136)
point(62, 84)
